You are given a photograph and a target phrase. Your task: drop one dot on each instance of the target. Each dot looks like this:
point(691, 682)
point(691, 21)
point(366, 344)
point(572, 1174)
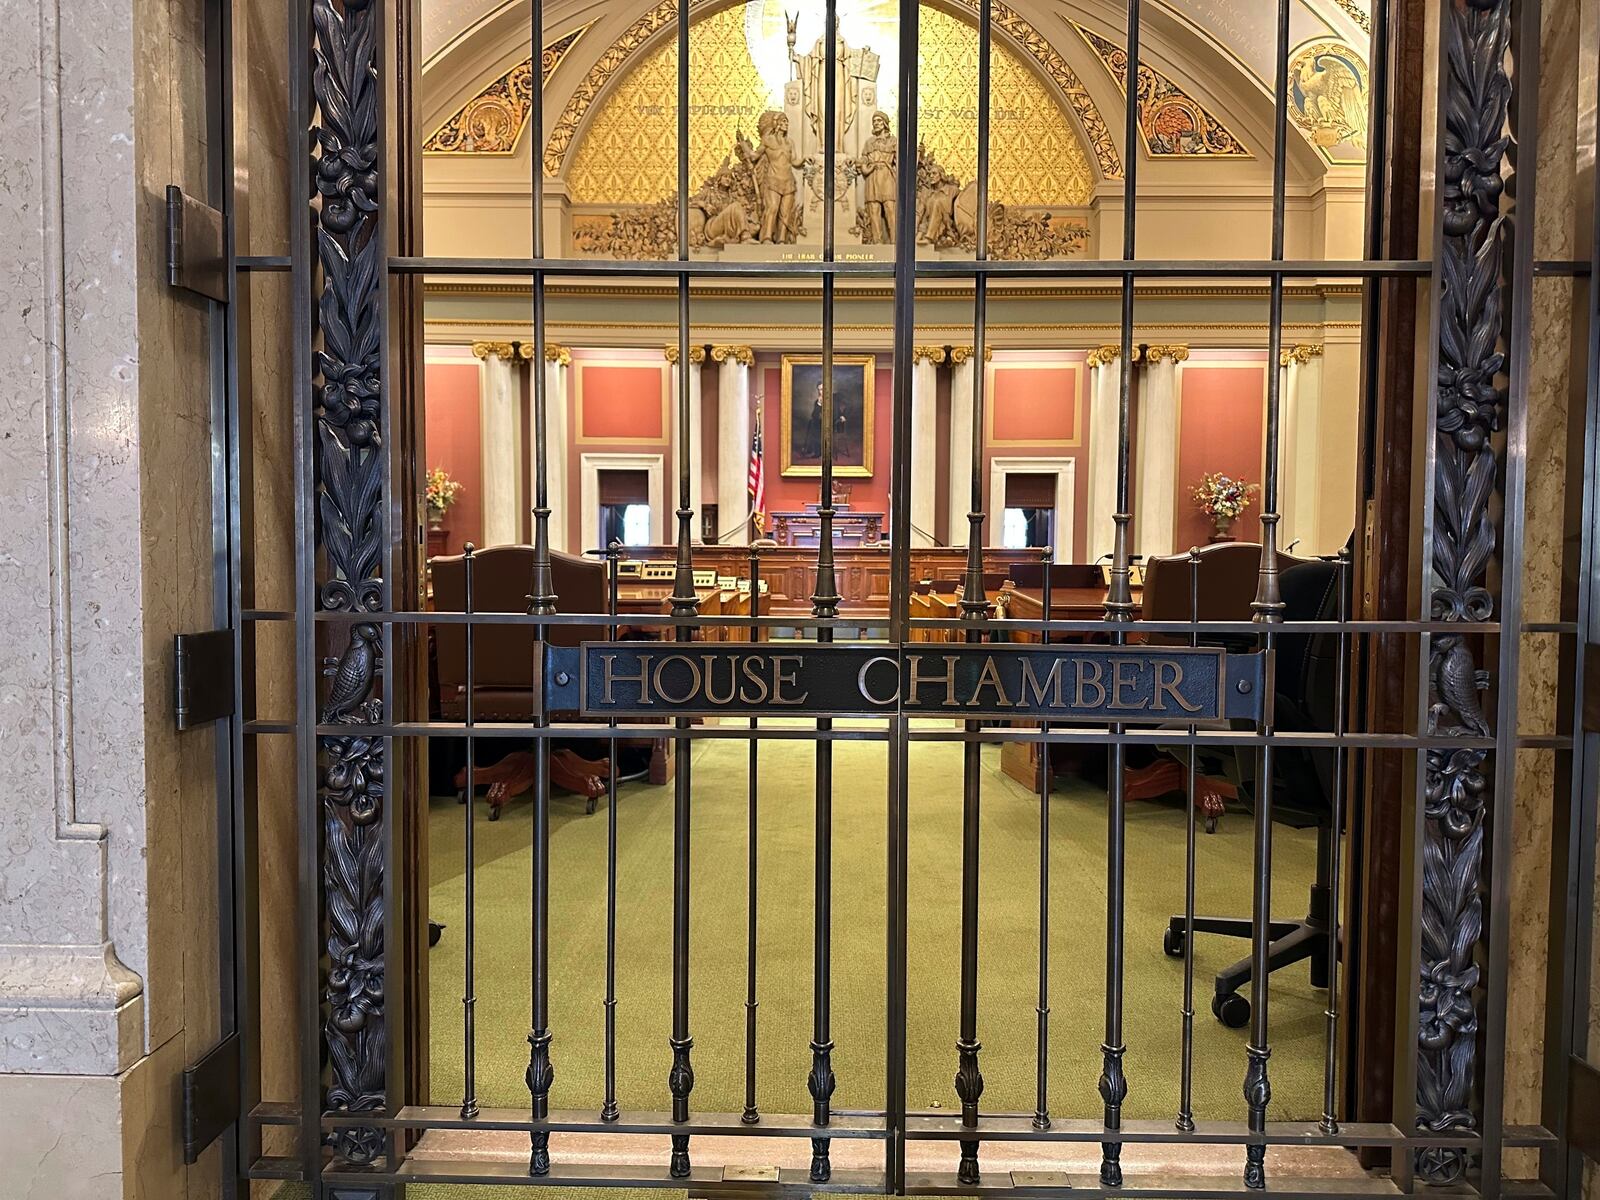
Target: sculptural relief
point(774, 162)
point(876, 167)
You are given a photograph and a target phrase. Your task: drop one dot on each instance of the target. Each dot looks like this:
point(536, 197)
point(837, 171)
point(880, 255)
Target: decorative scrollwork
point(1469, 410)
point(348, 391)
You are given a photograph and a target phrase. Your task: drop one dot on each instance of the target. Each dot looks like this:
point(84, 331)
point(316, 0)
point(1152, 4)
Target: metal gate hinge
point(210, 1097)
point(202, 677)
point(197, 256)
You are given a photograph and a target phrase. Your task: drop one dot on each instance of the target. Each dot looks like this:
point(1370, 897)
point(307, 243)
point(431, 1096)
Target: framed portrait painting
point(801, 414)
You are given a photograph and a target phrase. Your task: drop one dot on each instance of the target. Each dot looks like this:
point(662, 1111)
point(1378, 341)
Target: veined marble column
point(733, 442)
point(925, 441)
point(697, 358)
point(1299, 481)
point(500, 442)
point(1157, 475)
point(962, 379)
point(556, 361)
point(1105, 384)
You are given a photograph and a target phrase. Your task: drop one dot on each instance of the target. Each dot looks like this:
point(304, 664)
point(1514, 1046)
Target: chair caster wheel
point(1172, 942)
point(494, 812)
point(461, 796)
point(1232, 1009)
point(435, 932)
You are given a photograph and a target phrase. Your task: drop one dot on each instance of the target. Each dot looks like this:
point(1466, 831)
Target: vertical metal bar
point(974, 607)
point(1267, 609)
point(1330, 1117)
point(1185, 1120)
point(1525, 47)
point(1041, 1104)
point(752, 1114)
point(469, 999)
point(609, 1109)
point(1119, 608)
point(905, 300)
point(680, 1077)
point(542, 602)
point(309, 802)
point(234, 494)
point(820, 1082)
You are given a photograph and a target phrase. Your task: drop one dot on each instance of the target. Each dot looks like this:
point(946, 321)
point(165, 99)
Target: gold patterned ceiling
point(738, 65)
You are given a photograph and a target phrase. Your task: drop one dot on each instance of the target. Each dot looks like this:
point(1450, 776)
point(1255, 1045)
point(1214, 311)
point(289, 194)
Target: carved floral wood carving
point(349, 529)
point(1469, 409)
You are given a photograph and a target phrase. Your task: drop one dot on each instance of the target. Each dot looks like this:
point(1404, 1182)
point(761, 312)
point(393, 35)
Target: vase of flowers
point(439, 493)
point(1222, 498)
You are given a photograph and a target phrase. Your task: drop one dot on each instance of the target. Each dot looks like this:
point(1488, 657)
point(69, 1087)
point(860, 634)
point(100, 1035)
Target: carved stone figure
point(936, 196)
point(718, 213)
point(774, 162)
point(876, 164)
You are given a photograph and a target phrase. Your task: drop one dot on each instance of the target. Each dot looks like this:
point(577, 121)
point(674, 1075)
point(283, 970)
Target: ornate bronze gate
point(358, 620)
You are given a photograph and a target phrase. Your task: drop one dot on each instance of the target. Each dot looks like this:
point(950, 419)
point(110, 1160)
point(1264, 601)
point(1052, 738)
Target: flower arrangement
point(1223, 498)
point(440, 493)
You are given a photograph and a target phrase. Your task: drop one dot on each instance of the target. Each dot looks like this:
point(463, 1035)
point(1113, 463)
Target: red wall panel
point(620, 402)
point(450, 439)
point(1037, 409)
point(1221, 417)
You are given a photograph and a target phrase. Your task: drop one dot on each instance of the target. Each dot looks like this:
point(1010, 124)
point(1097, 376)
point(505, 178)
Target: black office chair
point(1307, 693)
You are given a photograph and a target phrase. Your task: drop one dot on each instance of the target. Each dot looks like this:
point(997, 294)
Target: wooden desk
point(1024, 761)
point(790, 573)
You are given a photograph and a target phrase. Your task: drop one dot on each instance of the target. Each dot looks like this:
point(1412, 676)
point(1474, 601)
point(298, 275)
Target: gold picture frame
point(853, 378)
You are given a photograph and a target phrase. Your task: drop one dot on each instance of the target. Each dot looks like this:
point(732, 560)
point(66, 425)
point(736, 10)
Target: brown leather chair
point(1228, 573)
point(1227, 585)
point(503, 657)
point(502, 578)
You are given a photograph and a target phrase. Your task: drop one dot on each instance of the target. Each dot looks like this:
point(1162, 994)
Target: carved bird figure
point(1458, 682)
point(352, 673)
point(1333, 99)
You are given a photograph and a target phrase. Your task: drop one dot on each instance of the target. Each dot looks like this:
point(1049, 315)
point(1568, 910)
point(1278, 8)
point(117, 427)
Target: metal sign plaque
point(1128, 684)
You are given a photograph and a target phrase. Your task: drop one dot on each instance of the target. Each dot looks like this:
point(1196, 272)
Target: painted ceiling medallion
point(1328, 99)
point(492, 121)
point(1174, 124)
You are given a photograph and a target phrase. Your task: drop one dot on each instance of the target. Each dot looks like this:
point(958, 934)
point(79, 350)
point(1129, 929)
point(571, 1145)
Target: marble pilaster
point(1154, 512)
point(108, 906)
point(925, 441)
point(500, 442)
point(557, 367)
point(1105, 383)
point(697, 358)
point(734, 364)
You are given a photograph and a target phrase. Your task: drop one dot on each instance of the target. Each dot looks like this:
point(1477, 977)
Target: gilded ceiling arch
point(1065, 90)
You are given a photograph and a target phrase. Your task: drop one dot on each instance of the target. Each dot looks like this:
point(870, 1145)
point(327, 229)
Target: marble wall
point(108, 935)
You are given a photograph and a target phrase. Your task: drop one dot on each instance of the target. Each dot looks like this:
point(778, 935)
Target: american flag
point(756, 483)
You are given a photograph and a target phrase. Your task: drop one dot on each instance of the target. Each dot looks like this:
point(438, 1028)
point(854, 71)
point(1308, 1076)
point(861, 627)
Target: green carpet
point(1007, 955)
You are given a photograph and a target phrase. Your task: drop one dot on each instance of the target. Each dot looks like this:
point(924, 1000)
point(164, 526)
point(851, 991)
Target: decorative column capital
point(1301, 354)
point(960, 354)
point(556, 353)
point(492, 349)
point(743, 355)
point(933, 354)
point(1102, 356)
point(697, 354)
point(1176, 354)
